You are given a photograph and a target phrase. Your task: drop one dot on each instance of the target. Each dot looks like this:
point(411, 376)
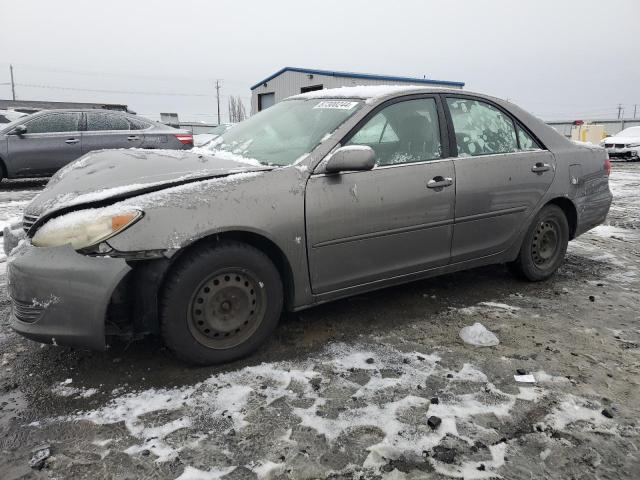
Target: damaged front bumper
point(60, 296)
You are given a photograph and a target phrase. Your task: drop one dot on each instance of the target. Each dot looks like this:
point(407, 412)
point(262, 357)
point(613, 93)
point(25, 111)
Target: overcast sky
point(560, 59)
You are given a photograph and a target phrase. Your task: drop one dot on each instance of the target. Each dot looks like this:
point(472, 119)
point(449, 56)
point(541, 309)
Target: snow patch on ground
point(478, 335)
point(191, 473)
point(380, 381)
point(66, 391)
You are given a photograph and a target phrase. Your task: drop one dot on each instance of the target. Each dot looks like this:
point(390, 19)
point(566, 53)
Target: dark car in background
point(40, 144)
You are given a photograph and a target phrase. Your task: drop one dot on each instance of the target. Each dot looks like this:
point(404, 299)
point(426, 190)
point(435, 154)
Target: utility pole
point(218, 99)
point(635, 107)
point(13, 87)
point(619, 110)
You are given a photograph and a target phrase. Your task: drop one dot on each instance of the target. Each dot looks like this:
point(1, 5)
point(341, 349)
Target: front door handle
point(133, 137)
point(440, 182)
point(71, 141)
point(540, 167)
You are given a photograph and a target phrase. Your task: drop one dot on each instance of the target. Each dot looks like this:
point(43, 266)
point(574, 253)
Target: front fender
point(268, 204)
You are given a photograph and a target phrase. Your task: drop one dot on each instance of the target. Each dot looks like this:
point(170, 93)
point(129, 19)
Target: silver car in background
point(321, 196)
point(40, 144)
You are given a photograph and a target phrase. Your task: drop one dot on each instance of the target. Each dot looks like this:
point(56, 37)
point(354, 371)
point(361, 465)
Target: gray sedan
point(322, 196)
point(40, 144)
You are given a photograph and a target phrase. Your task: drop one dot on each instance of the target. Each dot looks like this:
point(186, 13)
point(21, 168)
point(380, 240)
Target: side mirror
point(351, 157)
point(19, 130)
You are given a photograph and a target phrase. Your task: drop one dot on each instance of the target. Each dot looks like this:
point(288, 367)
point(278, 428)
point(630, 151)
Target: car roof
point(72, 110)
point(375, 92)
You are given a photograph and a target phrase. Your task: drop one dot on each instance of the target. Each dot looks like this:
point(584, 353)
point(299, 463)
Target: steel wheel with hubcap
point(544, 245)
point(220, 302)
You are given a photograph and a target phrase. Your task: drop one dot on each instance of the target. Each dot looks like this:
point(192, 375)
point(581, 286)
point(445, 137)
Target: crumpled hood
point(110, 175)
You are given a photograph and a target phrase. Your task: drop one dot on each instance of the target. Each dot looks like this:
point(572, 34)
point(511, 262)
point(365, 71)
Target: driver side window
point(404, 132)
point(54, 123)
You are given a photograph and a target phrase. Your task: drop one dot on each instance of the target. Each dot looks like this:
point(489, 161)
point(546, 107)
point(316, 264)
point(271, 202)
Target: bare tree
point(237, 113)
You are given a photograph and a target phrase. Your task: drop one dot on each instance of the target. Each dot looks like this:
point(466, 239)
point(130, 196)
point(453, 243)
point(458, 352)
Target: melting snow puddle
point(336, 394)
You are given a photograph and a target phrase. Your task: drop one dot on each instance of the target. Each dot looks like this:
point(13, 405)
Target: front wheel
point(544, 245)
point(220, 303)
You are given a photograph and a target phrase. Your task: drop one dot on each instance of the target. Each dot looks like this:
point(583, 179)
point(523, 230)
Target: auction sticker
point(336, 105)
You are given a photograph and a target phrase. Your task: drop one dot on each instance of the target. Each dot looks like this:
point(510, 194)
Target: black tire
point(544, 245)
point(220, 303)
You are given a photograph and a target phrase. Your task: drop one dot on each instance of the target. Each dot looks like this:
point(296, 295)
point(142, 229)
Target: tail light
point(607, 166)
point(185, 139)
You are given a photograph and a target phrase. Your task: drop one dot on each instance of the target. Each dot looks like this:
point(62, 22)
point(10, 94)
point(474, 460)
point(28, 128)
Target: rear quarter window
point(137, 124)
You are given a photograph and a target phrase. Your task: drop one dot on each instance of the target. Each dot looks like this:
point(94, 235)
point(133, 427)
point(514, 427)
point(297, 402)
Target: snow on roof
point(362, 91)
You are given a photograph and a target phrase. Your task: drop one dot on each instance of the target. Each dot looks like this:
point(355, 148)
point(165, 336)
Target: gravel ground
point(355, 389)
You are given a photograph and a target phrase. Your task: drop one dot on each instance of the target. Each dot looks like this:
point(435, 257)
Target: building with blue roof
point(293, 80)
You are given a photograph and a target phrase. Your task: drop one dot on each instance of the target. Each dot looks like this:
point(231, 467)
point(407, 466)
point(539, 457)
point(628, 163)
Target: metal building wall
point(289, 83)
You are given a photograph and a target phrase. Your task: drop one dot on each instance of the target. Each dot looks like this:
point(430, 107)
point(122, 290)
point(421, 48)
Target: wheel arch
point(570, 211)
point(3, 169)
point(265, 245)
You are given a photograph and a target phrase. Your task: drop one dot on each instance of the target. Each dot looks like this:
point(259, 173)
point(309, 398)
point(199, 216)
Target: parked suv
point(40, 144)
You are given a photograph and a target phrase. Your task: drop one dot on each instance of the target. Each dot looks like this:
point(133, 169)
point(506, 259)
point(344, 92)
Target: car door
point(502, 174)
point(108, 130)
point(51, 141)
point(393, 220)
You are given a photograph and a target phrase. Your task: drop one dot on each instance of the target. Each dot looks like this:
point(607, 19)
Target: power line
point(95, 73)
point(55, 87)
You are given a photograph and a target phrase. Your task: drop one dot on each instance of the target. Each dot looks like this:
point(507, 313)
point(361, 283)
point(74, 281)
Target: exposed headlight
point(634, 145)
point(84, 228)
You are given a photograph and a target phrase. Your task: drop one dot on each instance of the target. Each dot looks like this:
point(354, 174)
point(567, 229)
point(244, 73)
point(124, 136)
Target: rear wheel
point(220, 303)
point(544, 245)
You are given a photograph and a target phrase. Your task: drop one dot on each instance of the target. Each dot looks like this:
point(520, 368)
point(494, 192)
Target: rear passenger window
point(403, 132)
point(136, 124)
point(104, 121)
point(525, 140)
point(480, 128)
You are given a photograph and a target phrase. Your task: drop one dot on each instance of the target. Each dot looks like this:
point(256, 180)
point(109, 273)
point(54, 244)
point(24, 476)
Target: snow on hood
point(123, 173)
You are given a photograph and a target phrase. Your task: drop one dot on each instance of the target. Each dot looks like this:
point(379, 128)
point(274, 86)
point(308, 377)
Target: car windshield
point(283, 133)
point(629, 132)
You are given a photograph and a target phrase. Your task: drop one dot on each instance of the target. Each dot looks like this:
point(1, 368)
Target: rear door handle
point(71, 141)
point(540, 167)
point(133, 137)
point(439, 182)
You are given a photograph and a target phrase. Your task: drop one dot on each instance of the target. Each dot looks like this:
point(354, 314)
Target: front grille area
point(27, 312)
point(627, 155)
point(28, 221)
point(614, 145)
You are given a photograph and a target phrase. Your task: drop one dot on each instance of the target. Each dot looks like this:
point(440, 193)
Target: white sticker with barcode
point(336, 104)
